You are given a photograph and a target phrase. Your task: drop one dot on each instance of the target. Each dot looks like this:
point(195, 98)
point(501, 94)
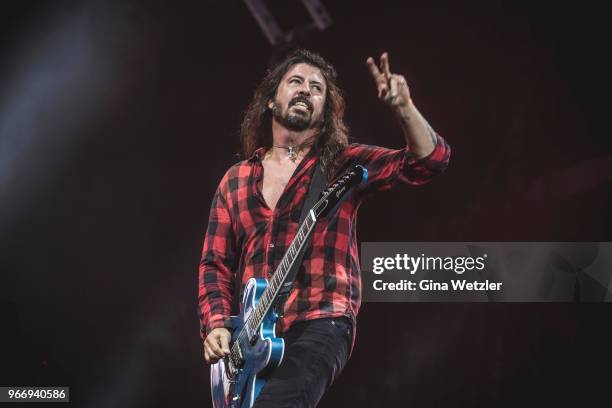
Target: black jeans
point(315, 353)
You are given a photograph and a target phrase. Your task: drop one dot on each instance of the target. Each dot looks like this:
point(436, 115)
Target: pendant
point(292, 154)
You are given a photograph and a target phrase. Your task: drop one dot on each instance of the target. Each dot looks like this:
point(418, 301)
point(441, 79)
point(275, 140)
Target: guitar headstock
point(334, 193)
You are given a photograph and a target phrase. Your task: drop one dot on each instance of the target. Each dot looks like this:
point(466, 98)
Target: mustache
point(304, 100)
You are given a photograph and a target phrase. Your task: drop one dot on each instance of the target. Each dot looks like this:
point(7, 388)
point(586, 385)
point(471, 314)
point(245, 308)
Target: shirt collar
point(257, 155)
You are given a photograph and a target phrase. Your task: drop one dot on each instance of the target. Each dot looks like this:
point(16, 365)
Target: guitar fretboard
point(274, 286)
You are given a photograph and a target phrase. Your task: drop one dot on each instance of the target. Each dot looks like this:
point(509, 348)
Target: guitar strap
point(317, 185)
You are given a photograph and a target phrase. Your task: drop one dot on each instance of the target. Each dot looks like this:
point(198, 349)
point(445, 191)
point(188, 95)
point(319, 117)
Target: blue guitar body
point(260, 358)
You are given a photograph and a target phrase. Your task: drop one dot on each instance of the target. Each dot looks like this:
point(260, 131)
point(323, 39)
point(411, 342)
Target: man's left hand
point(392, 88)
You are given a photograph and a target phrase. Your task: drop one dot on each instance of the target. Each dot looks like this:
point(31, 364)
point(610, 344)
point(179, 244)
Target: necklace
point(290, 152)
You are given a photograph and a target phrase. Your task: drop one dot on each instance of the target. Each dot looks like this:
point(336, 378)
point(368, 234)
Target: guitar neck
point(280, 275)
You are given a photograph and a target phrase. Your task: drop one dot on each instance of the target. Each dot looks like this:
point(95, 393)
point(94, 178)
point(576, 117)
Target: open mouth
point(302, 105)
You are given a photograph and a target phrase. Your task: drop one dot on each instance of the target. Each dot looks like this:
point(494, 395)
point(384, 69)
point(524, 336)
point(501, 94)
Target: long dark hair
point(255, 130)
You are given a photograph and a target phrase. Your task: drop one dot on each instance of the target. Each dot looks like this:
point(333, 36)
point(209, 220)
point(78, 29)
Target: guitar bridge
point(230, 369)
point(234, 362)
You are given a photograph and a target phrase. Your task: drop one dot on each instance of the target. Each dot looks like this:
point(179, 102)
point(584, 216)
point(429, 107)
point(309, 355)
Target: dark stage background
point(118, 118)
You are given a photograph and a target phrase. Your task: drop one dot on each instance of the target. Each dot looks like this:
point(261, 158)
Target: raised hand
point(392, 88)
point(393, 91)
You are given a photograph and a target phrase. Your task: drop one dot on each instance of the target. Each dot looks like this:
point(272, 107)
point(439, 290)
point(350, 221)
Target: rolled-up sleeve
point(389, 167)
point(216, 270)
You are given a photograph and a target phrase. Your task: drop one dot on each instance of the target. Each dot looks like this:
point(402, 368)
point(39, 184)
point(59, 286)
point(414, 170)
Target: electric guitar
point(255, 351)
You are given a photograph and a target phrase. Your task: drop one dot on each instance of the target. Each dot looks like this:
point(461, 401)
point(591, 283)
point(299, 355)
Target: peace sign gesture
point(392, 88)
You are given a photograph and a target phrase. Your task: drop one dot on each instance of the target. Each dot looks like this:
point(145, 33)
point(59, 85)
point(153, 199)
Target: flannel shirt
point(245, 235)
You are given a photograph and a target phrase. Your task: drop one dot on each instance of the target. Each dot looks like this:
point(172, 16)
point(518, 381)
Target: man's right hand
point(216, 345)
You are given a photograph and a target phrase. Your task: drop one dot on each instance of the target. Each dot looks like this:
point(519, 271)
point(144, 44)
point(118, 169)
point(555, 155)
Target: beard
point(292, 121)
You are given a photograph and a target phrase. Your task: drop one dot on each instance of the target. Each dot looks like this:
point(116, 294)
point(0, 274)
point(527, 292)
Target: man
point(294, 120)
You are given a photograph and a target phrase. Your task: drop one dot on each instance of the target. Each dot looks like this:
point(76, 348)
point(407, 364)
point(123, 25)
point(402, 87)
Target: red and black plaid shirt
point(245, 235)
